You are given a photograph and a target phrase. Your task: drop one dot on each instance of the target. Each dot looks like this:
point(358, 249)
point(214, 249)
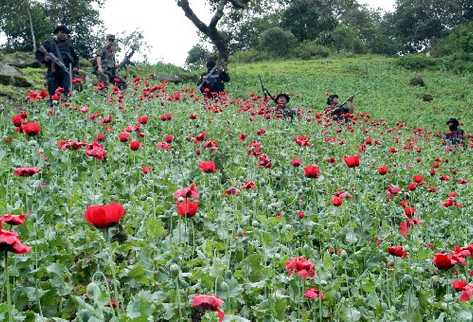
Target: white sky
point(170, 34)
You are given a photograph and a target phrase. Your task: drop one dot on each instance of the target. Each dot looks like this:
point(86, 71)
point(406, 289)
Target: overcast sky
point(164, 25)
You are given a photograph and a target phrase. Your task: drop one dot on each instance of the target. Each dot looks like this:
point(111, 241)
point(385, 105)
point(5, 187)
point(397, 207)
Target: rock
point(20, 60)
point(169, 78)
point(427, 98)
point(417, 81)
point(9, 75)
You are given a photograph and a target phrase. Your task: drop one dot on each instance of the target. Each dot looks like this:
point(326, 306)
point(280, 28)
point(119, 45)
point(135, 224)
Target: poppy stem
point(7, 282)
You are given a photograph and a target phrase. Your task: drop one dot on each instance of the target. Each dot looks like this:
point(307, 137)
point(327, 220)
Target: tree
point(420, 22)
point(197, 57)
point(219, 8)
point(277, 41)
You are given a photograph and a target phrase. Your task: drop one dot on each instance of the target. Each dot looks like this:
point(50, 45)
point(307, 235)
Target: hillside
point(148, 204)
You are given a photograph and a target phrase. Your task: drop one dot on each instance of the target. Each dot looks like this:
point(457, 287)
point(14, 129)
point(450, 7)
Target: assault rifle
point(265, 91)
point(126, 60)
point(55, 60)
point(341, 106)
point(204, 79)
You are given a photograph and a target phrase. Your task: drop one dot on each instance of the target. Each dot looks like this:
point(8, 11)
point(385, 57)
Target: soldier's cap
point(453, 121)
point(61, 28)
point(283, 95)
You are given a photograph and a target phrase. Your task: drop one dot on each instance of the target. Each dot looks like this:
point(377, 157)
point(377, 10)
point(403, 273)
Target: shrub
point(277, 42)
point(248, 56)
point(417, 62)
point(311, 50)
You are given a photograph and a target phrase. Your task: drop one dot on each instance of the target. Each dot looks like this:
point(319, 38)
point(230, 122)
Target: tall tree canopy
point(81, 16)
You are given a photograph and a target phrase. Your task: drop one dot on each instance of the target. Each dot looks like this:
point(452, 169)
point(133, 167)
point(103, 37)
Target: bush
point(249, 56)
point(417, 62)
point(460, 40)
point(197, 57)
point(311, 50)
point(277, 42)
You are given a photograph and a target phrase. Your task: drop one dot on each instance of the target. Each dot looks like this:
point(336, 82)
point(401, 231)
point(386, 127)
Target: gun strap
point(58, 53)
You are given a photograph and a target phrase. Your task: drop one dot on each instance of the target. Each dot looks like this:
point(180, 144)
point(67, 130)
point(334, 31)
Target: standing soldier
point(213, 82)
point(59, 56)
point(105, 62)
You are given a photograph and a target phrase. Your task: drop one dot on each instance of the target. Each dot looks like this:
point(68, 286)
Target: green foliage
point(460, 40)
point(417, 62)
point(311, 49)
point(348, 39)
point(197, 57)
point(277, 42)
point(249, 56)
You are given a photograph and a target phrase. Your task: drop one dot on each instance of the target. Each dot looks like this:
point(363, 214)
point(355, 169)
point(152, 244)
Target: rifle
point(204, 79)
point(340, 106)
point(266, 92)
point(55, 60)
point(126, 60)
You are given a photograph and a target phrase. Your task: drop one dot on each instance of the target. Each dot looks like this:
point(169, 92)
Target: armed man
point(105, 63)
point(340, 112)
point(282, 111)
point(59, 56)
point(212, 83)
point(456, 136)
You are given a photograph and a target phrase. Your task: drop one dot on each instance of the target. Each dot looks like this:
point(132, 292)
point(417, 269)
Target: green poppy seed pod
point(92, 289)
point(174, 268)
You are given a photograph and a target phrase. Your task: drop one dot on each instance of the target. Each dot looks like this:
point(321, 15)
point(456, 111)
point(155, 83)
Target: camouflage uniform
point(109, 63)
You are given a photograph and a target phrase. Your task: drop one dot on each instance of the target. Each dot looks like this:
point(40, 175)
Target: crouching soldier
point(340, 112)
point(59, 56)
point(456, 136)
point(282, 111)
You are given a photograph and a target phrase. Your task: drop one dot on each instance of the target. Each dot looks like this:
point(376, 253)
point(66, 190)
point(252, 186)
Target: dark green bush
point(417, 62)
point(311, 50)
point(249, 56)
point(277, 42)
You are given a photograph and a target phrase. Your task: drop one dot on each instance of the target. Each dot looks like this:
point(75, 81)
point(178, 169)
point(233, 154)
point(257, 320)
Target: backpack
point(212, 82)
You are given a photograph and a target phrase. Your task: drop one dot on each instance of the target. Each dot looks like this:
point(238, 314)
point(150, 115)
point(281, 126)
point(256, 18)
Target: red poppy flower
point(443, 261)
point(459, 285)
point(398, 251)
point(100, 137)
point(107, 119)
point(163, 146)
point(249, 185)
point(392, 191)
point(208, 166)
point(409, 211)
point(146, 170)
point(312, 171)
point(231, 191)
point(96, 150)
point(10, 242)
point(169, 138)
point(31, 128)
point(143, 119)
point(13, 220)
point(104, 216)
point(352, 161)
point(187, 201)
point(467, 293)
point(337, 201)
point(242, 137)
point(412, 186)
point(302, 140)
point(418, 178)
point(392, 150)
point(296, 163)
point(264, 161)
point(462, 181)
point(261, 132)
point(135, 145)
point(301, 266)
point(444, 177)
point(193, 116)
point(18, 119)
point(166, 117)
point(124, 136)
point(382, 170)
point(314, 293)
point(209, 302)
point(301, 214)
point(26, 171)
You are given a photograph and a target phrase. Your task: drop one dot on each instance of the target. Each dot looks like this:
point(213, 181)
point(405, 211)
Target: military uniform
point(55, 76)
point(109, 64)
point(284, 113)
point(456, 137)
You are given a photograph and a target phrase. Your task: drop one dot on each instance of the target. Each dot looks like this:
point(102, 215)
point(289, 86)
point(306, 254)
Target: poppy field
point(154, 204)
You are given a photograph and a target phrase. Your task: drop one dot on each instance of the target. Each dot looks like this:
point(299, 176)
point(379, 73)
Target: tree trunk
point(33, 37)
point(211, 30)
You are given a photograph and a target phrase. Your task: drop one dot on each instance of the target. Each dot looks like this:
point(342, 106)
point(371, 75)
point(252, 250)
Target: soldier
point(282, 111)
point(105, 63)
point(339, 112)
point(59, 56)
point(213, 82)
point(456, 136)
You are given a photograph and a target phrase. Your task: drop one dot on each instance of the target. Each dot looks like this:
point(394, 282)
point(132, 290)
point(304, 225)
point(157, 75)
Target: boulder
point(417, 81)
point(20, 60)
point(169, 78)
point(427, 97)
point(9, 75)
